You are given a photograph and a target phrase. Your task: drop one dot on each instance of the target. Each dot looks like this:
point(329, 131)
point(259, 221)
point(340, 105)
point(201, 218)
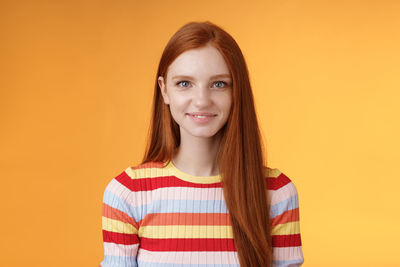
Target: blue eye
point(181, 82)
point(221, 82)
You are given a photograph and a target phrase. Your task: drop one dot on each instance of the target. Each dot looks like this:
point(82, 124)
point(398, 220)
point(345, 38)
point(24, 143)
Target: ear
point(163, 88)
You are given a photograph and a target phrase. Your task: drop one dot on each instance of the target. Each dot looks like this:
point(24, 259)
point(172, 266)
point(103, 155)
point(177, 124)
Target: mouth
point(201, 118)
point(201, 115)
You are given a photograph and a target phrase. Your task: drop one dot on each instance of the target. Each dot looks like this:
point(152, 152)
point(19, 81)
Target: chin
point(205, 134)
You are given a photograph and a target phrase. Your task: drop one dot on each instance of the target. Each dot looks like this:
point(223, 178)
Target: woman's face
point(198, 90)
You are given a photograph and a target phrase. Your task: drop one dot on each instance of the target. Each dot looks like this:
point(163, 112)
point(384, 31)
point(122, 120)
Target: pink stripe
point(191, 257)
point(283, 193)
point(179, 193)
point(113, 249)
point(290, 253)
point(190, 193)
point(223, 257)
point(118, 189)
point(132, 198)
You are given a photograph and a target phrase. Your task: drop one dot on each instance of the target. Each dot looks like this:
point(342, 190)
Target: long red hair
point(241, 152)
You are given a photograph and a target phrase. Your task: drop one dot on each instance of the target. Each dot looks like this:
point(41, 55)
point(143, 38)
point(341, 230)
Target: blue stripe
point(291, 263)
point(125, 261)
point(164, 206)
point(287, 204)
point(155, 264)
point(129, 261)
point(115, 201)
point(184, 206)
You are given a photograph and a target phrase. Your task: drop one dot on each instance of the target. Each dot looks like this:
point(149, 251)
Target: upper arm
point(285, 221)
point(120, 229)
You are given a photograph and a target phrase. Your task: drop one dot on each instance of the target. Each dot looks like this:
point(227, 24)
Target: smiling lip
point(202, 114)
point(207, 117)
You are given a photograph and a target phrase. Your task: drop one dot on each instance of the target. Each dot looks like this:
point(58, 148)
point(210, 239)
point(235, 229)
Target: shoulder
point(135, 177)
point(276, 179)
point(123, 193)
point(282, 192)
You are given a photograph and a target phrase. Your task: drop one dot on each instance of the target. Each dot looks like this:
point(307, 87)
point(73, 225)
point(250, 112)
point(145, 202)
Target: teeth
point(198, 116)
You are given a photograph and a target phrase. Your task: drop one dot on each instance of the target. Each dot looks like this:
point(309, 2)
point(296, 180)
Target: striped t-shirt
point(160, 216)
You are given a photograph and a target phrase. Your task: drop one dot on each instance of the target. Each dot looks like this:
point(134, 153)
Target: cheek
point(176, 102)
point(177, 106)
point(228, 102)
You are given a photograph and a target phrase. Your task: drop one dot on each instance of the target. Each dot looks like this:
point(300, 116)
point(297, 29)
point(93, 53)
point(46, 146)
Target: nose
point(202, 97)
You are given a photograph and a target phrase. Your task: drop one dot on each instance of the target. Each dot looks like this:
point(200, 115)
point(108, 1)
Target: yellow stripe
point(171, 168)
point(118, 226)
point(186, 231)
point(273, 173)
point(289, 228)
point(191, 178)
point(146, 172)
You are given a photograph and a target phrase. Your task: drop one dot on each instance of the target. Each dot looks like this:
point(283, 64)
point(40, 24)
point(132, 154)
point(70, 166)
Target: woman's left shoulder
point(276, 179)
point(279, 185)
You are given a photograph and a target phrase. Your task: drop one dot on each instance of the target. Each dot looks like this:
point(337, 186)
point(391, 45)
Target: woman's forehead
point(200, 62)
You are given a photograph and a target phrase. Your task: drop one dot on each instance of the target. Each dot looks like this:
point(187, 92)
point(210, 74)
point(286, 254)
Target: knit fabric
point(155, 215)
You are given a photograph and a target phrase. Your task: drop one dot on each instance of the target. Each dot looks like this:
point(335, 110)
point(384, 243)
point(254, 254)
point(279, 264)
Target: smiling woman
point(199, 107)
point(202, 196)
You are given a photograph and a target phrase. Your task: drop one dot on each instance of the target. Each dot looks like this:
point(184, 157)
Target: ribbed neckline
point(192, 178)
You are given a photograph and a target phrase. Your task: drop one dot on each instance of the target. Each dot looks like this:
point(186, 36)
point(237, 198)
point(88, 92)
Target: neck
point(197, 155)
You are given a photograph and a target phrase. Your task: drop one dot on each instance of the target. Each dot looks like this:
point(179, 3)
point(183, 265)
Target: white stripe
point(189, 257)
point(289, 253)
point(113, 249)
point(189, 193)
point(282, 193)
point(166, 193)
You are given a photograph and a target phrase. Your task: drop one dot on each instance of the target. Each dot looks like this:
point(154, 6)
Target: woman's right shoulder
point(134, 177)
point(124, 194)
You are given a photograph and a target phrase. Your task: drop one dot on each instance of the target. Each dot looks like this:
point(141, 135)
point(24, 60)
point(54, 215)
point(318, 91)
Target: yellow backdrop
point(77, 81)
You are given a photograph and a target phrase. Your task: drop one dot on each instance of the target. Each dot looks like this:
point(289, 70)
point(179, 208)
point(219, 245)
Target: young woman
point(202, 195)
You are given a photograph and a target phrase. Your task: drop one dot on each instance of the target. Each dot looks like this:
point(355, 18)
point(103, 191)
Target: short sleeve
point(286, 237)
point(120, 229)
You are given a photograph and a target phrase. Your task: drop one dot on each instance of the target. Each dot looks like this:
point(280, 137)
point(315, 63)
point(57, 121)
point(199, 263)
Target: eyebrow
point(212, 77)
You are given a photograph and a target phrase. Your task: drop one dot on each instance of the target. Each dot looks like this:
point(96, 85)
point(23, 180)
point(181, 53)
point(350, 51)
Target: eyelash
point(225, 84)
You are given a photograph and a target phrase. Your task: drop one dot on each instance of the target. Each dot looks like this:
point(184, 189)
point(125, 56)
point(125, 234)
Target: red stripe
point(286, 240)
point(120, 238)
point(278, 182)
point(192, 244)
point(146, 184)
point(178, 218)
point(188, 244)
point(287, 216)
point(116, 214)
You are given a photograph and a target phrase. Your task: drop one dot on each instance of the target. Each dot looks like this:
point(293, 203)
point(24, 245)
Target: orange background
point(76, 87)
